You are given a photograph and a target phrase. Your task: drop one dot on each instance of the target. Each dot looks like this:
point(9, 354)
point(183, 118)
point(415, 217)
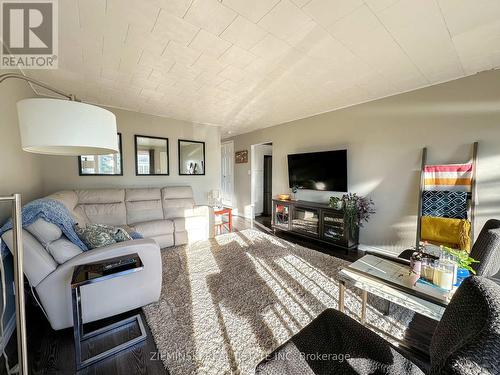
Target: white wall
point(60, 172)
point(384, 139)
point(257, 180)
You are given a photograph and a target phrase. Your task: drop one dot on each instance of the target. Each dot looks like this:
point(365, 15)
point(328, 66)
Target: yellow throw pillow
point(453, 233)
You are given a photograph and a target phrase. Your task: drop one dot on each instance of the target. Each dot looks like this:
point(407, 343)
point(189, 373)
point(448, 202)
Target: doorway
point(261, 180)
point(227, 172)
point(268, 185)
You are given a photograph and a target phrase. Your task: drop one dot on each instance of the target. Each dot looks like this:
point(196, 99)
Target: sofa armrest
point(106, 298)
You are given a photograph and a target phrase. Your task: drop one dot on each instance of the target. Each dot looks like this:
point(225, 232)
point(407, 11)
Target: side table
point(92, 273)
point(219, 219)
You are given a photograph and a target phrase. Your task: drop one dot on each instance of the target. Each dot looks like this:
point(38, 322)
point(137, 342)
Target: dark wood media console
point(313, 220)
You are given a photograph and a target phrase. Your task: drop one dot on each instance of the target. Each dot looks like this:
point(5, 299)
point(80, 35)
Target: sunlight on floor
point(207, 331)
point(296, 309)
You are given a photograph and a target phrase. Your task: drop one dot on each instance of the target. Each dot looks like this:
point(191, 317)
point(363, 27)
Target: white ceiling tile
point(209, 44)
point(209, 64)
point(243, 33)
point(210, 15)
point(181, 54)
point(253, 10)
point(301, 3)
point(284, 19)
point(139, 13)
point(232, 73)
point(326, 12)
point(431, 49)
point(176, 7)
point(479, 48)
point(270, 47)
point(464, 15)
point(238, 57)
point(171, 27)
point(374, 45)
point(378, 5)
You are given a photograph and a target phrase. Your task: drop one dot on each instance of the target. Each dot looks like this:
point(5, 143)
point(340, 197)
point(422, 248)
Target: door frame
point(231, 168)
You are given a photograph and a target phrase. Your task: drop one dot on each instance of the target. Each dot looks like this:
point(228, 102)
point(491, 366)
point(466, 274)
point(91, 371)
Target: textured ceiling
point(247, 64)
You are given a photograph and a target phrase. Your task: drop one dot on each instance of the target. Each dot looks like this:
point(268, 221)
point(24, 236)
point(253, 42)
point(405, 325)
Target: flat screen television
point(325, 170)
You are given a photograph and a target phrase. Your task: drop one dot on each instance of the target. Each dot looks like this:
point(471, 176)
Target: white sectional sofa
point(164, 216)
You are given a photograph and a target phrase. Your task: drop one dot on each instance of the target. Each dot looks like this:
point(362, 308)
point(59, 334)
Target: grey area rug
point(228, 302)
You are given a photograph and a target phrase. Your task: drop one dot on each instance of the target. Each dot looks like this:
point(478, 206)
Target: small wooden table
point(228, 224)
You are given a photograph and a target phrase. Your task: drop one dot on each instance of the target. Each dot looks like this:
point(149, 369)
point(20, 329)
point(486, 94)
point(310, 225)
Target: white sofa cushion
point(180, 207)
point(182, 224)
point(44, 231)
point(63, 250)
point(155, 228)
point(143, 205)
point(37, 261)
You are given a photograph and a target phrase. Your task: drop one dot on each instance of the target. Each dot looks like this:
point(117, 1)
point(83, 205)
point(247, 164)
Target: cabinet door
point(281, 215)
point(306, 221)
point(333, 229)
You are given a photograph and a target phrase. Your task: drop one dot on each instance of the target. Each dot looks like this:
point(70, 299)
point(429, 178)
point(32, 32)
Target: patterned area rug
point(228, 302)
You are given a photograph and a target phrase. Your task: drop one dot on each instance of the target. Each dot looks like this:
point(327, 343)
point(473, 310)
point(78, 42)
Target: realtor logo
point(29, 34)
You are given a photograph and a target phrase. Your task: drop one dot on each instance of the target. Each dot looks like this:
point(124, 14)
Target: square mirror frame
point(136, 161)
point(179, 157)
point(80, 172)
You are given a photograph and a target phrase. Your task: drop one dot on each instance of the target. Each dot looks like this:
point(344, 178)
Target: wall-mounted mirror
point(102, 165)
point(191, 157)
point(151, 156)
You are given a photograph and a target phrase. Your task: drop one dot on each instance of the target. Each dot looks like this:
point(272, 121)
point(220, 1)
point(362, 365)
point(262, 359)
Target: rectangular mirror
point(191, 157)
point(102, 165)
point(151, 156)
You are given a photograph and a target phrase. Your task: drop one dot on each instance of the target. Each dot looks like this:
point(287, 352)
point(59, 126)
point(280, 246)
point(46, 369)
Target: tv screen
point(319, 170)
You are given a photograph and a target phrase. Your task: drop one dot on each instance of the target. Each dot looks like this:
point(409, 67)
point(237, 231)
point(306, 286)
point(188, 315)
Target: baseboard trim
point(8, 331)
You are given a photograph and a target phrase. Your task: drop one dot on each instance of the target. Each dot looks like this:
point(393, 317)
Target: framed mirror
point(102, 165)
point(151, 156)
point(191, 157)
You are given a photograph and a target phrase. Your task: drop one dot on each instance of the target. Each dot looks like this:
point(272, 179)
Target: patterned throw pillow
point(99, 235)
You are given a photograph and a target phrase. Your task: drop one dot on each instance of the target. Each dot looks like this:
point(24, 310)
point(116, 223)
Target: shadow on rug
point(228, 302)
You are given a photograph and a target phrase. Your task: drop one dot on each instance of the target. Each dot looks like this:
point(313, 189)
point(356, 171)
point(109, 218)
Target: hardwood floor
point(52, 352)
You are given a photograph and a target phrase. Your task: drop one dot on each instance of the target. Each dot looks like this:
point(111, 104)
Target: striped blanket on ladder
point(451, 177)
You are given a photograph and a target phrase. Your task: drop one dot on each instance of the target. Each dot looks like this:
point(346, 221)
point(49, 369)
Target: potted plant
point(463, 261)
point(357, 210)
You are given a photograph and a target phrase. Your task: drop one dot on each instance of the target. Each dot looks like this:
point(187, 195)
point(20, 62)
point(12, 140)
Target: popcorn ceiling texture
point(228, 302)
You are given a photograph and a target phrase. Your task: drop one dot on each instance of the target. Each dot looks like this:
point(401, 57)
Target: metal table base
point(81, 337)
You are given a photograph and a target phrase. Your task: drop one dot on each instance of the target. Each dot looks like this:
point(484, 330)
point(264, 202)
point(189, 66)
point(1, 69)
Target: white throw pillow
point(44, 231)
point(63, 250)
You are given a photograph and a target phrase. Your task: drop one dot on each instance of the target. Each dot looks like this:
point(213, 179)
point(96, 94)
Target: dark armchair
point(466, 341)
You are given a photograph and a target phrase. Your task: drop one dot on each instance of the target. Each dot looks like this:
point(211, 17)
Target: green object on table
point(462, 258)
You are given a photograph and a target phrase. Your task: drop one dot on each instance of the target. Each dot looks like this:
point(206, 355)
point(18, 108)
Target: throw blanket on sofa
point(52, 211)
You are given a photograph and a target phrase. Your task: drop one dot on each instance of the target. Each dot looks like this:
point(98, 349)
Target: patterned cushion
point(450, 204)
point(99, 235)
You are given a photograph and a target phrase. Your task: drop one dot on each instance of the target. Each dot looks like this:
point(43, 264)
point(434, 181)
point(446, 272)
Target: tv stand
point(313, 220)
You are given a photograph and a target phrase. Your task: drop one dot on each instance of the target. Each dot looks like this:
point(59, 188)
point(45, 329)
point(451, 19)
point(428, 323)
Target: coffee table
point(388, 278)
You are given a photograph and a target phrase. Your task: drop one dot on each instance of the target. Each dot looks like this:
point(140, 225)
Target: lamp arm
point(5, 76)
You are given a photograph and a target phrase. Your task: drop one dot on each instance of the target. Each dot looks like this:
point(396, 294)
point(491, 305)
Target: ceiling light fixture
point(64, 127)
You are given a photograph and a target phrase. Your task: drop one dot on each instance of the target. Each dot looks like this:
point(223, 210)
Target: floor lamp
point(17, 252)
point(53, 127)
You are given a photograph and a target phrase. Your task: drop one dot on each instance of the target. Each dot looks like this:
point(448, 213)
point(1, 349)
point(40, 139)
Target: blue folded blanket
point(449, 204)
point(52, 211)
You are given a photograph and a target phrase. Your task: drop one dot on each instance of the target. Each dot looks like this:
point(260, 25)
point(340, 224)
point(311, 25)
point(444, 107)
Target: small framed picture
point(241, 156)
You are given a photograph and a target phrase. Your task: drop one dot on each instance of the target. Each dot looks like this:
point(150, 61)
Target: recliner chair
point(465, 342)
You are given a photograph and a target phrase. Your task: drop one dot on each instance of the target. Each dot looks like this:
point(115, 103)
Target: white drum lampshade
point(65, 127)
